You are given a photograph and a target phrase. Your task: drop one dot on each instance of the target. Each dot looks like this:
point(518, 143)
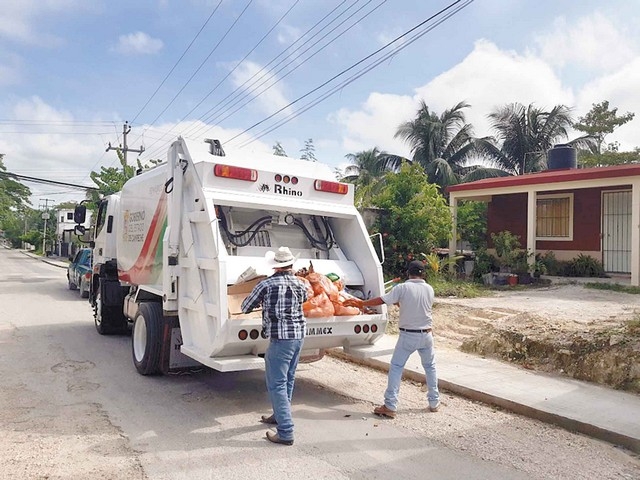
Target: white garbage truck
point(171, 251)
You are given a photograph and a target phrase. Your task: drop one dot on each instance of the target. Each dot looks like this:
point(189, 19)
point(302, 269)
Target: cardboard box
point(237, 293)
point(244, 287)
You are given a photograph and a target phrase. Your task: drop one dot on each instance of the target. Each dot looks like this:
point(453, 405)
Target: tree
point(367, 171)
point(416, 217)
point(14, 196)
point(442, 144)
point(600, 121)
point(524, 134)
point(308, 151)
point(611, 156)
point(279, 150)
point(111, 179)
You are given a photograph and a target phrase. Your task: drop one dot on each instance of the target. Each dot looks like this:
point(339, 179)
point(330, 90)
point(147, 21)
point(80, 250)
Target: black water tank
point(562, 156)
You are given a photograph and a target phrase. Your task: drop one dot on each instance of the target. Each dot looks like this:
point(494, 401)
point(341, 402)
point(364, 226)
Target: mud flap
point(172, 360)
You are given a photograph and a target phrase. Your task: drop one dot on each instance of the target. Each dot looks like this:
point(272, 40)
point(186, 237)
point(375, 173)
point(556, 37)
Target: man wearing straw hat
point(281, 296)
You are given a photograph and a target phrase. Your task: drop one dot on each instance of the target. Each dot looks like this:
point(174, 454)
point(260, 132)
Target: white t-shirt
point(415, 297)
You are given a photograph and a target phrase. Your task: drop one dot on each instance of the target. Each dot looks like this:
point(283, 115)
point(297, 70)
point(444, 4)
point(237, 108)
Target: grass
point(614, 287)
point(456, 288)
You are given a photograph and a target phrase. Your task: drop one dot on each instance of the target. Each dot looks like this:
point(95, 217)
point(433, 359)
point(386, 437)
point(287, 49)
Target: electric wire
point(229, 74)
point(176, 64)
point(279, 79)
point(203, 62)
point(187, 132)
point(357, 75)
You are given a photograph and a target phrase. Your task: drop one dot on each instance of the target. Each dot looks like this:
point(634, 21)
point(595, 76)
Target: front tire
point(72, 286)
point(108, 319)
point(146, 338)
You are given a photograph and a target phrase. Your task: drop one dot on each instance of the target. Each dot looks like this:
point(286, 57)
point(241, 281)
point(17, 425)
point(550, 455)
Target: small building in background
point(67, 241)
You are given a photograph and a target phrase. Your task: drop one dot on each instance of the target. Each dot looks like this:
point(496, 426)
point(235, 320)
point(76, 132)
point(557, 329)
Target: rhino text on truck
point(169, 248)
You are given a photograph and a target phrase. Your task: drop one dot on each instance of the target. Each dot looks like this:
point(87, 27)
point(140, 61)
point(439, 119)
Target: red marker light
point(331, 187)
point(286, 179)
point(278, 177)
point(357, 329)
point(294, 180)
point(237, 173)
point(242, 334)
point(365, 328)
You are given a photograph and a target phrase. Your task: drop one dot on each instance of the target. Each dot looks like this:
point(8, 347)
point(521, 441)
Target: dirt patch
point(584, 333)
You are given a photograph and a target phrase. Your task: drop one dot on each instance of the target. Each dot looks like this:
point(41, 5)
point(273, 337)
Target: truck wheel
point(108, 320)
point(72, 286)
point(146, 338)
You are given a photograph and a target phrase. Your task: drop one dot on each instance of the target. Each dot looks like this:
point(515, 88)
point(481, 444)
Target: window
point(69, 215)
point(554, 217)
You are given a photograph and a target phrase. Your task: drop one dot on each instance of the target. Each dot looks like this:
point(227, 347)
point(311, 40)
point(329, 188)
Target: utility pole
point(45, 216)
point(126, 128)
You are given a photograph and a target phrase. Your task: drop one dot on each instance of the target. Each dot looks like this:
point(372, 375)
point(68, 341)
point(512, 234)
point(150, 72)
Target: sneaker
point(435, 408)
point(383, 411)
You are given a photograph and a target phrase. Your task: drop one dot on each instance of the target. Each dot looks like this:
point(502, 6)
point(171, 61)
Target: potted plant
point(507, 247)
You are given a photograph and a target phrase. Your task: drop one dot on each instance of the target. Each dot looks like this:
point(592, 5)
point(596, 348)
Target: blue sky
point(72, 71)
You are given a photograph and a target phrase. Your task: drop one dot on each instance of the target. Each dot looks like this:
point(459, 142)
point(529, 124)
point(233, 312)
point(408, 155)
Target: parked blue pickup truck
point(79, 272)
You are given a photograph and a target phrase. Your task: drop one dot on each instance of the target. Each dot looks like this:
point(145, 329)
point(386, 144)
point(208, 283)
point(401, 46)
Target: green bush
point(552, 265)
point(484, 263)
point(584, 266)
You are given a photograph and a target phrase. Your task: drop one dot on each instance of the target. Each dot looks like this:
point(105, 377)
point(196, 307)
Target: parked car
point(79, 272)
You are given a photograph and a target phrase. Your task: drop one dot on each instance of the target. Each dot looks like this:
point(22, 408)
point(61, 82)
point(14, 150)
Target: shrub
point(484, 263)
point(584, 266)
point(507, 247)
point(551, 264)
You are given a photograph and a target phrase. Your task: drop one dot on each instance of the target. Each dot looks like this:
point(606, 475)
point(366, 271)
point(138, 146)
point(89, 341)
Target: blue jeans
point(281, 360)
point(409, 342)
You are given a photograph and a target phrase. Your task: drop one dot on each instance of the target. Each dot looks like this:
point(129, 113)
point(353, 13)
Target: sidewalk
point(599, 412)
point(55, 261)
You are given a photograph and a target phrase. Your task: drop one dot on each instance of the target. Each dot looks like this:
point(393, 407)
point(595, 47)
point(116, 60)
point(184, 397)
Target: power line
point(257, 76)
point(203, 62)
point(351, 79)
point(43, 180)
point(176, 64)
point(322, 85)
point(234, 68)
point(217, 119)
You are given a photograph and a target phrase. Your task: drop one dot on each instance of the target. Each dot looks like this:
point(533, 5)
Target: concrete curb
point(55, 263)
point(576, 420)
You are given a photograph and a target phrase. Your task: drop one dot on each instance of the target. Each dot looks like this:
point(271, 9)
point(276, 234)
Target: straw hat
point(281, 259)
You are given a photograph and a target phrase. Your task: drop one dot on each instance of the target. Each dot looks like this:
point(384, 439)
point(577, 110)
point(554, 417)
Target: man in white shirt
point(415, 297)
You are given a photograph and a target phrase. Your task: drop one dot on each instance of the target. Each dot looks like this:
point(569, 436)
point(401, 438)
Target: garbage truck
point(183, 243)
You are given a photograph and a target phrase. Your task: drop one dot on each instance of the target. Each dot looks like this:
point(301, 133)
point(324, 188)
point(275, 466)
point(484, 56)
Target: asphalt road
point(73, 406)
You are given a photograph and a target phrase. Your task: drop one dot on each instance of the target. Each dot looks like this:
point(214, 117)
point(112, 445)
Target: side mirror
point(79, 230)
point(80, 214)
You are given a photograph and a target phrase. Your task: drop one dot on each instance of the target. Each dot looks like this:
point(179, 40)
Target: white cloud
point(621, 90)
point(593, 41)
point(19, 18)
point(288, 34)
point(262, 86)
point(138, 43)
point(487, 78)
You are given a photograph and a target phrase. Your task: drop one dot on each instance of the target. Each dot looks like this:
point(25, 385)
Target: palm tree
point(524, 135)
point(367, 171)
point(441, 144)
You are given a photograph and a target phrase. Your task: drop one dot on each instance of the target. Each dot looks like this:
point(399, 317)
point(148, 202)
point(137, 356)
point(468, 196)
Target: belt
point(420, 330)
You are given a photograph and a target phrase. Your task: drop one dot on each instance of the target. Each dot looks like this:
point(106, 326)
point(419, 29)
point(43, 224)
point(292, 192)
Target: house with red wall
point(568, 211)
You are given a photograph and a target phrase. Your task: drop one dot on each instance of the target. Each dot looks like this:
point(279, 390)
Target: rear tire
point(146, 338)
point(108, 319)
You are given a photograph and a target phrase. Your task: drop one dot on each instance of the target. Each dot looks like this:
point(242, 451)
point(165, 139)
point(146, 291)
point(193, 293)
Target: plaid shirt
point(281, 296)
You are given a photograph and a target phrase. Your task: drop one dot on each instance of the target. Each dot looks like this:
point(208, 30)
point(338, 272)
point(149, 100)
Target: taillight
point(331, 187)
point(238, 173)
point(87, 275)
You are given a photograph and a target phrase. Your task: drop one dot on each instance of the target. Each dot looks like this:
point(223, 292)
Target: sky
point(344, 73)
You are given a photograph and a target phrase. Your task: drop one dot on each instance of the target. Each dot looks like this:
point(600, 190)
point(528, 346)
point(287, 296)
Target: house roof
point(550, 176)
